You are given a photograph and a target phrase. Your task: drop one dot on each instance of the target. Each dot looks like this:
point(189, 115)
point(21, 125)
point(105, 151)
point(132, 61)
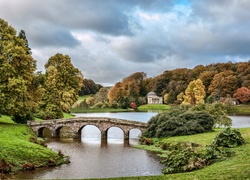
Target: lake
point(93, 158)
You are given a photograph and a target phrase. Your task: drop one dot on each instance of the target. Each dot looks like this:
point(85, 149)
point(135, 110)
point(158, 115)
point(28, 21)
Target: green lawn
point(148, 107)
point(6, 119)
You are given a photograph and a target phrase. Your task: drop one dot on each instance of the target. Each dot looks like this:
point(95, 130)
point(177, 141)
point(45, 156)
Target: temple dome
point(151, 94)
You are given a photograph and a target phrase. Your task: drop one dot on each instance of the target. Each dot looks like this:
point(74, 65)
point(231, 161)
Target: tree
point(17, 72)
point(116, 93)
point(218, 111)
point(242, 94)
point(195, 92)
point(89, 87)
point(67, 80)
point(50, 106)
point(206, 77)
point(101, 95)
point(223, 84)
point(22, 35)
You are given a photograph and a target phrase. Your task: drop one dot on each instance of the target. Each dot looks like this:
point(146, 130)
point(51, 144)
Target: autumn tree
point(127, 91)
point(243, 71)
point(242, 94)
point(195, 92)
point(206, 77)
point(223, 84)
point(116, 93)
point(17, 72)
point(67, 80)
point(197, 71)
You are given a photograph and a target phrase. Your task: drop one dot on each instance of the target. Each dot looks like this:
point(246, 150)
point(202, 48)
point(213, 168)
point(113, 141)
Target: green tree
point(218, 111)
point(101, 95)
point(50, 106)
point(195, 92)
point(67, 80)
point(17, 72)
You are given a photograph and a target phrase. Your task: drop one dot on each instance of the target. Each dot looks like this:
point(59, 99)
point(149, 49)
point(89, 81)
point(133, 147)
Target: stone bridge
point(77, 124)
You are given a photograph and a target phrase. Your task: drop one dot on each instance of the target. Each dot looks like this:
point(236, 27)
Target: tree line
point(25, 92)
point(208, 83)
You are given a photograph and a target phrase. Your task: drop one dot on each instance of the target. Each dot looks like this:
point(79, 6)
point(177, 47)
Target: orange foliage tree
point(242, 94)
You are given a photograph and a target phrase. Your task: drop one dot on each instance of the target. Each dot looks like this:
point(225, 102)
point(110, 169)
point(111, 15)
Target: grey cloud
point(53, 37)
point(121, 42)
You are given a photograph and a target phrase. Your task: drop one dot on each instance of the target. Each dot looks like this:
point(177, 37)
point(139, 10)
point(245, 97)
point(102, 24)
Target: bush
point(98, 105)
point(179, 122)
point(229, 138)
point(22, 119)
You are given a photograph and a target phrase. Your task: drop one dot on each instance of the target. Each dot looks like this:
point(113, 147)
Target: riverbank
point(233, 110)
point(20, 147)
point(236, 167)
point(239, 110)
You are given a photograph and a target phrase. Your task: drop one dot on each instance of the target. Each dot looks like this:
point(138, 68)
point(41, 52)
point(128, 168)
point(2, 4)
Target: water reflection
point(111, 158)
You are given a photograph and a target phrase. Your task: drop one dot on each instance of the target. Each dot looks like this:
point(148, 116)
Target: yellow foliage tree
point(195, 92)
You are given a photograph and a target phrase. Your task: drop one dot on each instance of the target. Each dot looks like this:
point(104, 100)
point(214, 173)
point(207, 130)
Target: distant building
point(152, 98)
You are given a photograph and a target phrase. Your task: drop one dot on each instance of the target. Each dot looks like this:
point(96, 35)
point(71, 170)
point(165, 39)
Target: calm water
point(92, 158)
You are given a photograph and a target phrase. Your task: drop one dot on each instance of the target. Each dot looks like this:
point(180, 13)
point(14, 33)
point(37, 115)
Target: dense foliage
point(187, 156)
point(228, 138)
point(179, 122)
point(218, 111)
point(24, 92)
point(89, 87)
point(17, 68)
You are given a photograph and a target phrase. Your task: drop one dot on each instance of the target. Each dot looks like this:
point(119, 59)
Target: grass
point(148, 107)
point(80, 99)
point(236, 167)
point(17, 148)
point(240, 110)
point(6, 119)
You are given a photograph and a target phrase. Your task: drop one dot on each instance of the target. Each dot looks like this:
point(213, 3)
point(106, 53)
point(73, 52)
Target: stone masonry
point(76, 125)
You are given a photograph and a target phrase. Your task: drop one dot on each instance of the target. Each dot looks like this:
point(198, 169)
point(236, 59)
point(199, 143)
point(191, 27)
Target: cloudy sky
point(111, 39)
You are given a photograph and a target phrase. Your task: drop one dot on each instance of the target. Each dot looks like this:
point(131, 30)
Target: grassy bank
point(239, 110)
point(236, 167)
point(148, 107)
point(20, 145)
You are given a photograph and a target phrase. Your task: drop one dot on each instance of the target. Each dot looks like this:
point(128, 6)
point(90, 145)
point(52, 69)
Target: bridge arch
point(79, 131)
point(64, 131)
point(115, 129)
point(134, 133)
point(42, 130)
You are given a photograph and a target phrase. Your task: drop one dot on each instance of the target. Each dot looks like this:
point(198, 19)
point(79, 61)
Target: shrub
point(228, 138)
point(146, 141)
point(179, 122)
point(186, 156)
point(98, 105)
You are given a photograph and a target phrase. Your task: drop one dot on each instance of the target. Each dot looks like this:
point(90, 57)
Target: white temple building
point(152, 98)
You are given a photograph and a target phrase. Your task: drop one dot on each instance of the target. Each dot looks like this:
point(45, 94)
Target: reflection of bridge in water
point(75, 125)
